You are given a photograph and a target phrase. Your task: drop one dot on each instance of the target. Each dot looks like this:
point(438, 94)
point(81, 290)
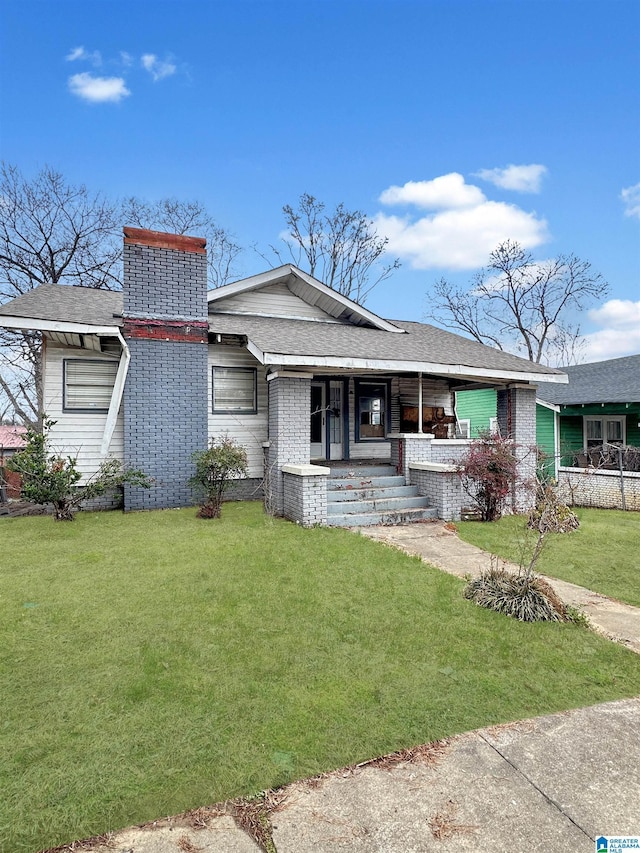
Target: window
point(463, 428)
point(235, 390)
point(88, 384)
point(372, 411)
point(597, 431)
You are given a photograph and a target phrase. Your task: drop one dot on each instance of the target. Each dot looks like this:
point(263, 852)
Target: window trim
point(84, 409)
point(622, 419)
point(247, 411)
point(467, 423)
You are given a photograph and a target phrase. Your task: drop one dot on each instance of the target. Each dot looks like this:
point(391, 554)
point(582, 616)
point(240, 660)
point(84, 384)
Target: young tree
point(341, 249)
point(517, 302)
point(188, 217)
point(47, 477)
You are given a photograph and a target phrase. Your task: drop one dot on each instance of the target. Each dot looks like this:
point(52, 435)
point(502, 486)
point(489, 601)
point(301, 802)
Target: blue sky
point(453, 124)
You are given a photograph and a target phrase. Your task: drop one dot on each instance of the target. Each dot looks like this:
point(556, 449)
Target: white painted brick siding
point(589, 487)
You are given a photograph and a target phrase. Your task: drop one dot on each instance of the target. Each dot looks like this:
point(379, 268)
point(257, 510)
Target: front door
point(327, 419)
point(335, 415)
point(318, 423)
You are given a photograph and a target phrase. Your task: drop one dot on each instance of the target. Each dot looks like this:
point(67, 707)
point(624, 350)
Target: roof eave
point(398, 366)
point(39, 325)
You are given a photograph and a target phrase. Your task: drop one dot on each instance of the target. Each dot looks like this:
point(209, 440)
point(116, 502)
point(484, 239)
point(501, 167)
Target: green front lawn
point(602, 555)
point(154, 662)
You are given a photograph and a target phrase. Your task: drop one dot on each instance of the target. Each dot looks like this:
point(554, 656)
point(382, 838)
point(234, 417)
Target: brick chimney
point(165, 396)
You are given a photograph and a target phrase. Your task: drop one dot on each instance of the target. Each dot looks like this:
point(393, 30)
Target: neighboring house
point(600, 404)
point(287, 366)
point(11, 440)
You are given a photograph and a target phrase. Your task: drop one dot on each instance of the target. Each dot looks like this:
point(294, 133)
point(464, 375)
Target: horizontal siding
point(275, 300)
point(478, 407)
point(77, 434)
point(248, 430)
point(545, 437)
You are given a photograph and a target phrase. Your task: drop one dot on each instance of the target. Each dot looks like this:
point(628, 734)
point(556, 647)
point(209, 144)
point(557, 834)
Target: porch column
point(289, 440)
point(516, 410)
point(409, 447)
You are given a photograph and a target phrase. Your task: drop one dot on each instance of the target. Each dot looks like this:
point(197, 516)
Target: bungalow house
point(12, 439)
point(599, 405)
point(321, 391)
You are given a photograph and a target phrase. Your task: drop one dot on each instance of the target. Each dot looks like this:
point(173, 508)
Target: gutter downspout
point(116, 395)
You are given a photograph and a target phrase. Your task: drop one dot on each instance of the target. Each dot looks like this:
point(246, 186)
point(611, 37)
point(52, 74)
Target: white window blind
point(88, 383)
point(234, 389)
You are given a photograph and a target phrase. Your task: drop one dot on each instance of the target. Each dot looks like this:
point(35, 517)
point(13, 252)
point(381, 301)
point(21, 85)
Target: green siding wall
point(545, 437)
point(477, 407)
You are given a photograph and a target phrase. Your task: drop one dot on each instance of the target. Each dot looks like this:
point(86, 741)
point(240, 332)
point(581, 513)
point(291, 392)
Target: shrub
point(48, 477)
point(488, 472)
point(523, 596)
point(216, 466)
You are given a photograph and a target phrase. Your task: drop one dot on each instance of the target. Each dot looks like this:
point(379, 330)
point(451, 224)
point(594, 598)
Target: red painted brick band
point(160, 240)
point(188, 331)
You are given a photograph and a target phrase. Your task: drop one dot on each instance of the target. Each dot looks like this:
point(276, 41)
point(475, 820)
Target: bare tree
point(56, 233)
point(50, 232)
point(342, 248)
point(187, 217)
point(517, 302)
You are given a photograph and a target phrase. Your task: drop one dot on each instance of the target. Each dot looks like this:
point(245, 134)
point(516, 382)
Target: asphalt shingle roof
point(614, 381)
point(422, 343)
point(61, 302)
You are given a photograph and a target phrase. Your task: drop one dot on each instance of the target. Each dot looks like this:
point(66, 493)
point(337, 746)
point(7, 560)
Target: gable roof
point(308, 288)
point(616, 380)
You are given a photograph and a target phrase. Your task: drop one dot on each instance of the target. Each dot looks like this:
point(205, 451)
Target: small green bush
point(523, 596)
point(223, 461)
point(49, 478)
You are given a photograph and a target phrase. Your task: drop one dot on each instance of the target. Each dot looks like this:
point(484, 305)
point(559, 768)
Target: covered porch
point(391, 439)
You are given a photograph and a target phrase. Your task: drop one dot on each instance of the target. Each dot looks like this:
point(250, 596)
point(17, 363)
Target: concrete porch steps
point(376, 494)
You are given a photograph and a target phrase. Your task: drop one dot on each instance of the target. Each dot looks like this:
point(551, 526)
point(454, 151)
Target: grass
point(154, 662)
point(602, 555)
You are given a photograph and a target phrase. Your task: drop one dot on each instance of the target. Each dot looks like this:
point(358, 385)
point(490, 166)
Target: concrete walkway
point(552, 783)
point(439, 546)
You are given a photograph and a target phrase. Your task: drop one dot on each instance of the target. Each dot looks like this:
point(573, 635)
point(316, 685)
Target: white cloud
point(446, 191)
point(126, 58)
point(522, 179)
point(98, 90)
point(621, 333)
point(77, 53)
point(631, 198)
point(463, 231)
point(158, 68)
